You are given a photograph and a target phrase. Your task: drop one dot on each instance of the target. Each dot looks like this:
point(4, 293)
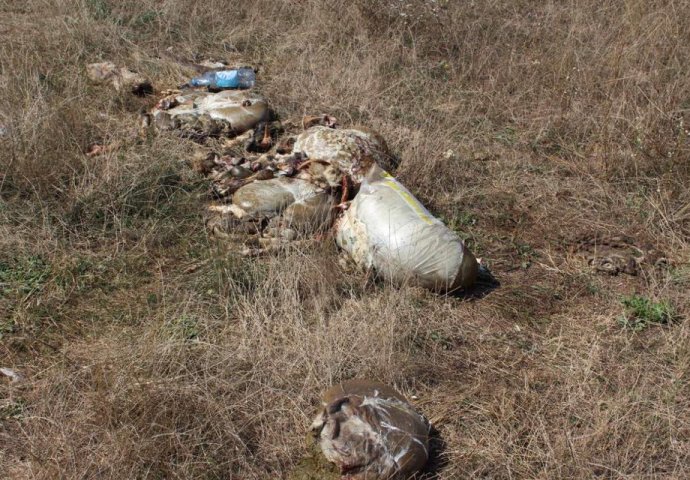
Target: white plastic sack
point(386, 228)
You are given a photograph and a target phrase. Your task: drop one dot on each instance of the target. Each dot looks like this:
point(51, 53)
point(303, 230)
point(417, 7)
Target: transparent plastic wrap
point(230, 112)
point(386, 228)
point(267, 198)
point(371, 432)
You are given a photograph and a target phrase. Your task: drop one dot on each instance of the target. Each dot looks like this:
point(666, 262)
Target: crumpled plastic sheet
point(229, 112)
point(371, 432)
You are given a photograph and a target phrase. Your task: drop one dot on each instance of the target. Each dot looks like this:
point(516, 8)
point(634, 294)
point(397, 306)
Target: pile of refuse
point(278, 182)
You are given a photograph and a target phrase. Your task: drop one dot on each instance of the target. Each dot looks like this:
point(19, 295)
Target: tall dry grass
point(150, 352)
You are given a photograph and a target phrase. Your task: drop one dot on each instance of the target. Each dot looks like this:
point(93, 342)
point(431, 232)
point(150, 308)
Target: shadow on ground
point(437, 458)
point(486, 283)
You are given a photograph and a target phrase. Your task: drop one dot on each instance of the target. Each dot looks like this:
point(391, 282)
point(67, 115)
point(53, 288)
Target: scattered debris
point(283, 209)
point(346, 149)
point(383, 227)
point(212, 64)
point(120, 78)
point(264, 136)
point(11, 374)
point(239, 140)
point(286, 181)
point(96, 149)
point(618, 254)
point(309, 121)
point(276, 182)
point(305, 216)
point(370, 431)
point(267, 198)
point(101, 149)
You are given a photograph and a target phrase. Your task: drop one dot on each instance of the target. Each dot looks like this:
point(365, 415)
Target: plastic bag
point(370, 431)
point(243, 110)
point(267, 198)
point(386, 228)
point(305, 216)
point(230, 112)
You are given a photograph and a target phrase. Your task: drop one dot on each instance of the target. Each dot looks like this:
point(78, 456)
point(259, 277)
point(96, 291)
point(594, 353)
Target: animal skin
point(351, 151)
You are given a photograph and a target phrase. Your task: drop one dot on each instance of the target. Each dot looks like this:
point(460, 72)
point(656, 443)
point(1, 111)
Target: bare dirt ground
point(552, 135)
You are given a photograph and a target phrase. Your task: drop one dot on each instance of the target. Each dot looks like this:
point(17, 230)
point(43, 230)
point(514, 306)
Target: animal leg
point(266, 141)
point(344, 197)
point(304, 165)
point(346, 190)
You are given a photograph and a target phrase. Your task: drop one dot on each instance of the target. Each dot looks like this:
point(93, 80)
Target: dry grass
point(151, 353)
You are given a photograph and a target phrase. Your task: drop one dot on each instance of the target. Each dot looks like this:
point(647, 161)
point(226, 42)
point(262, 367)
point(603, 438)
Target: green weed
point(185, 327)
point(23, 275)
point(641, 312)
point(526, 253)
point(99, 9)
point(459, 220)
point(12, 410)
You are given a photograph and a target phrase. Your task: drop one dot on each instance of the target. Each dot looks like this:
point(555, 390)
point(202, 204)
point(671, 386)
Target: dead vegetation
point(539, 130)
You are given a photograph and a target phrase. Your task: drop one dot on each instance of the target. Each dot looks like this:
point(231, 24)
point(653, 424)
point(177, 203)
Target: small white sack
point(386, 228)
point(267, 198)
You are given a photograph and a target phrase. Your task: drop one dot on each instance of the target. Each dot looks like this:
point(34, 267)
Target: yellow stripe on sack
point(405, 195)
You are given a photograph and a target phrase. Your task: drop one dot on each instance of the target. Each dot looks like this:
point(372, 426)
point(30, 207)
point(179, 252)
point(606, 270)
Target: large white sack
point(386, 228)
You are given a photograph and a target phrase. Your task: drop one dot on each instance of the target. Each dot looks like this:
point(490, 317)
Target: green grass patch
point(641, 312)
point(185, 327)
point(99, 9)
point(12, 410)
point(23, 275)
